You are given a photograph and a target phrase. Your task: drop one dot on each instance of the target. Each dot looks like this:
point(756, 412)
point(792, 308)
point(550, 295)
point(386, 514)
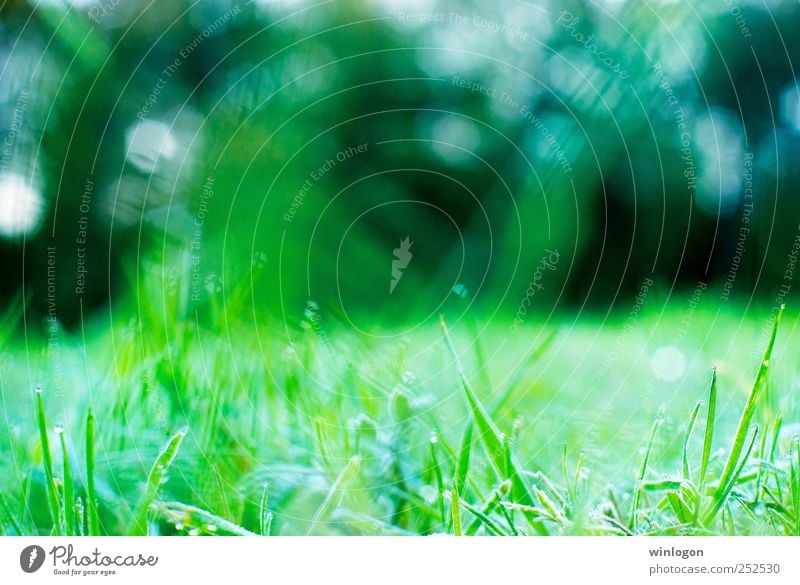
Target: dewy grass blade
point(92, 513)
point(687, 472)
point(69, 491)
point(52, 493)
point(729, 486)
point(743, 428)
point(711, 414)
point(157, 476)
point(199, 519)
point(637, 490)
point(491, 439)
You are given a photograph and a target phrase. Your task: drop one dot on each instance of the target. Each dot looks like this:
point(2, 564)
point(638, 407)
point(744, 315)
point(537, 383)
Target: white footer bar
point(401, 560)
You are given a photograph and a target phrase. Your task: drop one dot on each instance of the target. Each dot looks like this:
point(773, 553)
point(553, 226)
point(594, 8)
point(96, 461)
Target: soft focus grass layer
point(585, 427)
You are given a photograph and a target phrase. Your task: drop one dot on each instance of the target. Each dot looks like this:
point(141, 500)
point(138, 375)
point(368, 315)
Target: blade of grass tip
point(637, 490)
point(490, 436)
point(6, 512)
point(157, 476)
point(336, 492)
point(92, 514)
point(69, 492)
point(711, 414)
point(742, 429)
point(549, 486)
point(455, 511)
point(550, 506)
point(687, 472)
point(52, 493)
point(265, 516)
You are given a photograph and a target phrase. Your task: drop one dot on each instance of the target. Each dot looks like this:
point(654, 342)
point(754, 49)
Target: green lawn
point(578, 426)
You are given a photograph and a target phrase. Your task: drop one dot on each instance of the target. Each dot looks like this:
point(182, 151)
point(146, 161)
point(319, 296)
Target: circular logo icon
point(31, 558)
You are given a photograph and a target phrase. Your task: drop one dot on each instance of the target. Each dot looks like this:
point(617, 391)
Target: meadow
point(680, 422)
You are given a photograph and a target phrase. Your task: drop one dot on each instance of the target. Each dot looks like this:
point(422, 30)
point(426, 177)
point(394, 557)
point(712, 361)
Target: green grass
point(464, 434)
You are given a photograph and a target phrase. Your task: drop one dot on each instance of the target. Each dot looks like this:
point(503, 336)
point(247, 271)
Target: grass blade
point(794, 471)
point(711, 414)
point(662, 485)
point(687, 472)
point(198, 519)
point(265, 516)
point(729, 486)
point(455, 510)
point(52, 493)
point(522, 370)
point(481, 518)
point(92, 512)
point(742, 430)
point(491, 503)
point(462, 465)
point(437, 472)
point(336, 492)
point(157, 476)
point(69, 491)
point(491, 439)
point(79, 517)
point(637, 490)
